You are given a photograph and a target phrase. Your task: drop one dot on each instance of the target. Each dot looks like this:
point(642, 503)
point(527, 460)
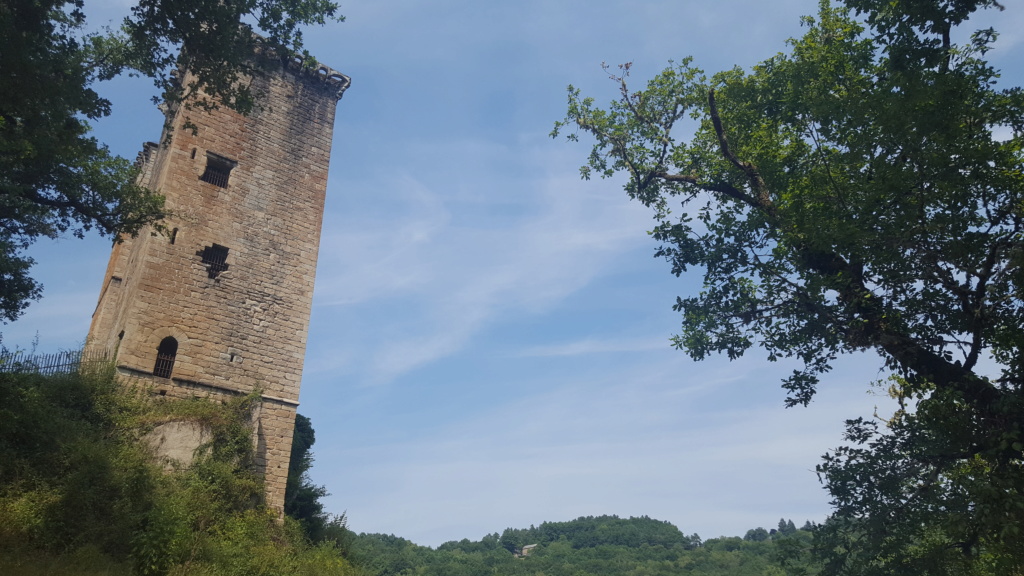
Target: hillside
point(595, 546)
point(81, 494)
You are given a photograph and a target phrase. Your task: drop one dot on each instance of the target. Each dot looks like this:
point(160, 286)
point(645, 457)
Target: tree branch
point(907, 351)
point(757, 183)
point(104, 219)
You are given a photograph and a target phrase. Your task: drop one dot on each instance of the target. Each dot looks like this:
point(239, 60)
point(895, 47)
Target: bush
point(79, 494)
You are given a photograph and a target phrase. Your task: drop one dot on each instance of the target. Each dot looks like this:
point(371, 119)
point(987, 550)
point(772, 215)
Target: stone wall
point(229, 278)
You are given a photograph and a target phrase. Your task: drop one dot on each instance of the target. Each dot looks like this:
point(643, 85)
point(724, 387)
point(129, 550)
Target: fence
point(55, 363)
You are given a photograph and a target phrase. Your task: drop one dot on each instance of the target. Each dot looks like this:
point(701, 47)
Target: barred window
point(218, 170)
point(165, 354)
point(216, 259)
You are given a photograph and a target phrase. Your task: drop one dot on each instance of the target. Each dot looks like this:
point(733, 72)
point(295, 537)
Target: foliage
point(786, 527)
point(756, 535)
point(591, 546)
point(591, 531)
point(214, 41)
point(54, 177)
point(863, 192)
point(79, 493)
point(57, 474)
point(302, 497)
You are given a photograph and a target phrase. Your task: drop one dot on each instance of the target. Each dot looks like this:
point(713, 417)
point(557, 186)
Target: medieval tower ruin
point(217, 304)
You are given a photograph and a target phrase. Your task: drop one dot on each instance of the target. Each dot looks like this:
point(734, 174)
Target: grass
point(80, 494)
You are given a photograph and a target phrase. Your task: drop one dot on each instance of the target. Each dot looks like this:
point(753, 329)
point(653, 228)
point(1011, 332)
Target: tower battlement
point(217, 302)
point(331, 78)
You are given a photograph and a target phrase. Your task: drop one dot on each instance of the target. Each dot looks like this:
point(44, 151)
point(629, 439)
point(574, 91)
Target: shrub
point(79, 494)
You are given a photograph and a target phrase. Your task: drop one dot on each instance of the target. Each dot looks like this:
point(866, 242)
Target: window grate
point(215, 176)
point(216, 259)
point(218, 170)
point(165, 355)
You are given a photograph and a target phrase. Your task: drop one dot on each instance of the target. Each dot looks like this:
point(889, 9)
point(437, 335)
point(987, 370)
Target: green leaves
point(862, 198)
point(850, 196)
point(75, 481)
point(215, 42)
point(54, 177)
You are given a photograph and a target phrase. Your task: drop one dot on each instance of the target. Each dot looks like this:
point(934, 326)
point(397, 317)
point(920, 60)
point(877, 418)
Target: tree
point(756, 535)
point(863, 192)
point(54, 177)
point(301, 496)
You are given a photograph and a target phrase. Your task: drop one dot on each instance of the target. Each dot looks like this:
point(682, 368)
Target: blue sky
point(489, 340)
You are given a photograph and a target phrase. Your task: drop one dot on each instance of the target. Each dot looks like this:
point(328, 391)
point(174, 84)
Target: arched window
point(165, 354)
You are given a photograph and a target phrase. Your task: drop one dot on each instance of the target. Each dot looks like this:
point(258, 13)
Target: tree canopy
point(862, 192)
point(55, 177)
point(302, 497)
point(591, 546)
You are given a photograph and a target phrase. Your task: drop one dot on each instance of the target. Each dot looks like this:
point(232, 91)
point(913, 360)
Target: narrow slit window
point(216, 259)
point(166, 352)
point(218, 170)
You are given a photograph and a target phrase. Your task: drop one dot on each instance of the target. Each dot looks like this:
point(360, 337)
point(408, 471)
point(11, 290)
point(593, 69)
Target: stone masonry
point(217, 304)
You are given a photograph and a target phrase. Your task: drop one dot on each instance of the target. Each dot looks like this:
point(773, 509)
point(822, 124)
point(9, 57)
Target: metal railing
point(20, 361)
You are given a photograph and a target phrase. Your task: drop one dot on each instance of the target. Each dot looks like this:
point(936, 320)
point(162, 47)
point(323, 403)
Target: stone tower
point(218, 303)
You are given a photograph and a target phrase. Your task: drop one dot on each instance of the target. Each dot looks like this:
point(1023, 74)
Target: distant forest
point(595, 546)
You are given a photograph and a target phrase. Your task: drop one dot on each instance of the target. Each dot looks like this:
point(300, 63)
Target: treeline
point(595, 546)
point(590, 531)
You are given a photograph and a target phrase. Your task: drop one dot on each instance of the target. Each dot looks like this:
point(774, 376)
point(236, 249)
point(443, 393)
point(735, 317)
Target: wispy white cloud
point(380, 255)
point(691, 449)
point(595, 346)
point(450, 268)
